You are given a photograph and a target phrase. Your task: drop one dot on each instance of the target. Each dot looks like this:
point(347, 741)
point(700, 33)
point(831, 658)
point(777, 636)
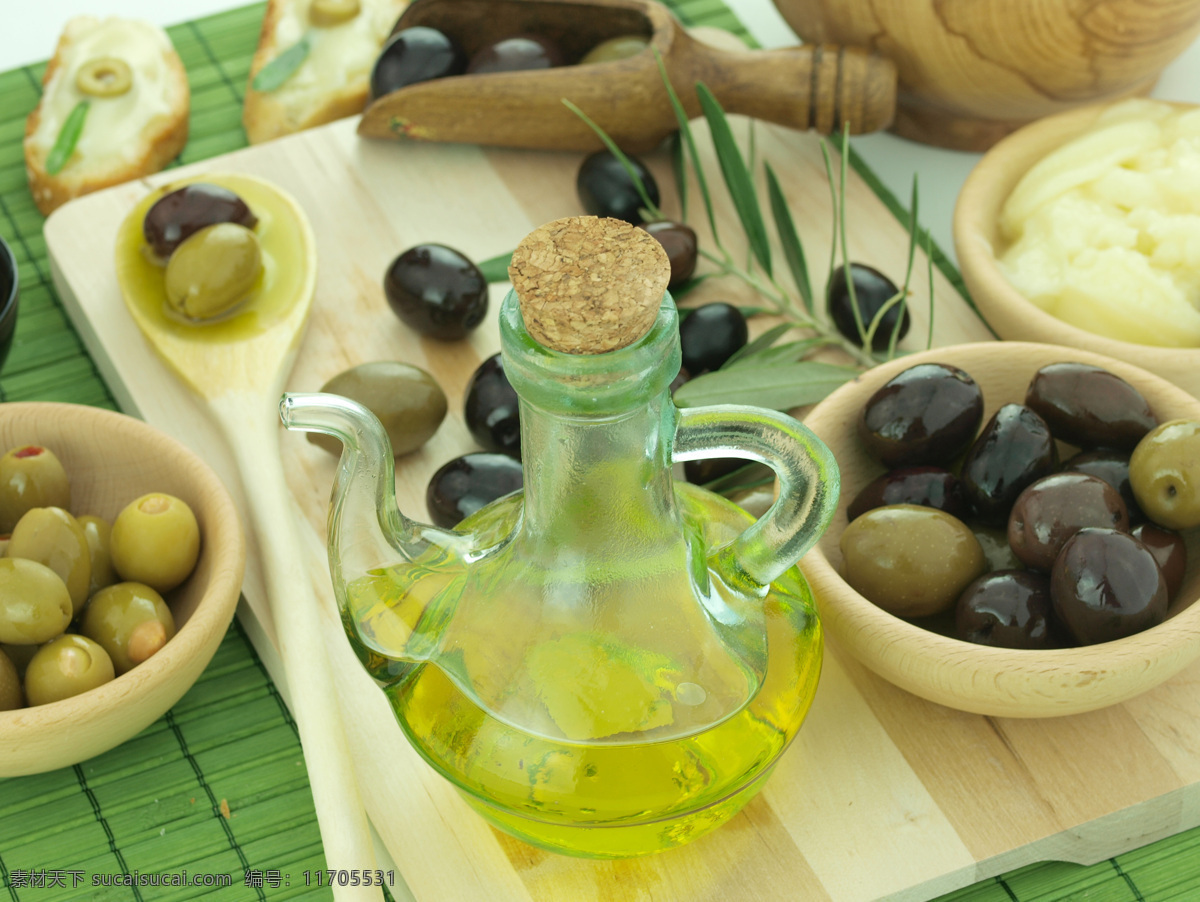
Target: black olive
point(437, 291)
point(181, 213)
point(606, 189)
point(1113, 467)
point(709, 335)
point(491, 410)
point(872, 289)
point(1014, 450)
point(514, 54)
point(412, 55)
point(465, 484)
point(1008, 609)
point(925, 415)
point(679, 241)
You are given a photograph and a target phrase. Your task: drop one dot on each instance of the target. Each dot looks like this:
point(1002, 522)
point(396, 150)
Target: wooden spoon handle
point(822, 87)
point(249, 423)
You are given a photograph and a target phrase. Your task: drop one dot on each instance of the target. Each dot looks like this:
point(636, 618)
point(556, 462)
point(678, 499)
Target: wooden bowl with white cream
point(1095, 160)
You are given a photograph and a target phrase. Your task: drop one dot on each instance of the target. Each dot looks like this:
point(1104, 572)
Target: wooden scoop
point(820, 87)
point(239, 367)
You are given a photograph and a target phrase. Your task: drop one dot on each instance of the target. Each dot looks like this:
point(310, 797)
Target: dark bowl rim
point(7, 304)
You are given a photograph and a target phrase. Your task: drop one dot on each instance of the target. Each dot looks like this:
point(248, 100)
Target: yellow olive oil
point(605, 735)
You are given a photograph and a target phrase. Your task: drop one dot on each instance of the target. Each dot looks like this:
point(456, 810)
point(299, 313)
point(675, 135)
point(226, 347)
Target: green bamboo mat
point(215, 794)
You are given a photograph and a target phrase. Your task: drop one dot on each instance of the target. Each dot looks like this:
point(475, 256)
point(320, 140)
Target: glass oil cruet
point(608, 663)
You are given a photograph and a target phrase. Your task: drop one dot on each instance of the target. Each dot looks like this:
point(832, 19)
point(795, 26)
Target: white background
point(30, 35)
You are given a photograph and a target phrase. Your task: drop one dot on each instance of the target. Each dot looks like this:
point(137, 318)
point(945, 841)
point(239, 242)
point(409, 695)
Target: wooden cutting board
point(882, 796)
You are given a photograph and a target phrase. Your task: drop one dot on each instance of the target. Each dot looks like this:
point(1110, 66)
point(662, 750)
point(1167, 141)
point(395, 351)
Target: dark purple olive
point(181, 213)
point(491, 409)
point(514, 54)
point(872, 289)
point(928, 486)
point(711, 334)
point(462, 486)
point(606, 189)
point(1090, 407)
point(679, 241)
point(1014, 449)
point(437, 291)
point(1169, 550)
point(412, 55)
point(927, 414)
point(1051, 510)
point(1007, 609)
point(1107, 585)
point(1113, 467)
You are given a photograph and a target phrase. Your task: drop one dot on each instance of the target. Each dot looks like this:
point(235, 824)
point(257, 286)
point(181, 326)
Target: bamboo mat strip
point(218, 786)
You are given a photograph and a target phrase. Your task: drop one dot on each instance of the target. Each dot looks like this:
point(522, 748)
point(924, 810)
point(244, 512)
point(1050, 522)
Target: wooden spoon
point(821, 87)
point(238, 366)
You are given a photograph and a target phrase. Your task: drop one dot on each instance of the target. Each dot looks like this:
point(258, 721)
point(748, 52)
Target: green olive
point(406, 399)
point(618, 48)
point(98, 532)
point(910, 560)
point(213, 271)
point(1164, 473)
point(65, 667)
point(51, 536)
point(130, 621)
point(104, 76)
point(35, 605)
point(155, 540)
point(326, 13)
point(30, 476)
point(10, 685)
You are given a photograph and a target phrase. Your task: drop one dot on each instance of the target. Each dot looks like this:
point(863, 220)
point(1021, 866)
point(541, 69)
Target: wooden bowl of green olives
point(122, 567)
point(980, 559)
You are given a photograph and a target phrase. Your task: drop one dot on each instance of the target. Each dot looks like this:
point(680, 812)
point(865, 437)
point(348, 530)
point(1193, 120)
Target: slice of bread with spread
point(135, 119)
point(343, 38)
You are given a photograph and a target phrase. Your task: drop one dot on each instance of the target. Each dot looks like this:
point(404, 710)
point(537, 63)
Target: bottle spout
point(348, 421)
point(369, 539)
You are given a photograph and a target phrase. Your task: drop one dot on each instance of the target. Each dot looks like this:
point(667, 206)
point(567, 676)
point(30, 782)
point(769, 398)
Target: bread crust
point(162, 143)
point(266, 116)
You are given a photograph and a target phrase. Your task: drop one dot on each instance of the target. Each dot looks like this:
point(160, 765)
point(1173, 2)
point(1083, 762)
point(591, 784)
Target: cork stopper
point(588, 285)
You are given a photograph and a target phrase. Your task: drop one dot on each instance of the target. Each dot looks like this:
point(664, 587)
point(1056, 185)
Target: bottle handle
point(809, 483)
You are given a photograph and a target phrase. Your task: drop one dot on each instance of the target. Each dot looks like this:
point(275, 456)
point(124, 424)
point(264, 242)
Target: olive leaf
point(737, 177)
point(789, 240)
point(495, 269)
point(680, 170)
point(750, 476)
point(779, 387)
point(68, 137)
point(282, 67)
point(650, 206)
point(791, 352)
point(761, 343)
point(689, 141)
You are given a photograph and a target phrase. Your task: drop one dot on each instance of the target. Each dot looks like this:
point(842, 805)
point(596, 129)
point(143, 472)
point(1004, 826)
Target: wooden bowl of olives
point(968, 609)
point(1067, 232)
point(99, 640)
